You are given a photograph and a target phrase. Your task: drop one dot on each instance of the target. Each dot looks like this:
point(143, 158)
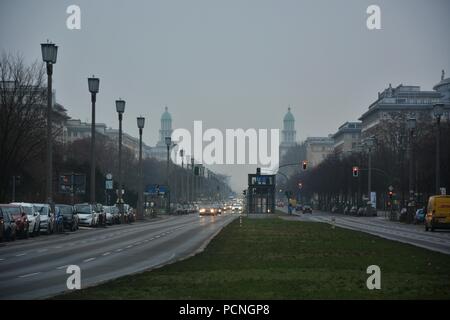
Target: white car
point(87, 215)
point(34, 218)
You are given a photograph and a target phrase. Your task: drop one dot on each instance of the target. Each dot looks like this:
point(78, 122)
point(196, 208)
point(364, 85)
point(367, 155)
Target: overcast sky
point(232, 63)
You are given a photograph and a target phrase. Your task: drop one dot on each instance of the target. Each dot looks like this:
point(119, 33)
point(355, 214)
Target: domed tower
point(443, 87)
point(166, 127)
point(288, 134)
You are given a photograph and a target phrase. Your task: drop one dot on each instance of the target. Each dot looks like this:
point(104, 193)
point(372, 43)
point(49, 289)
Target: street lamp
point(93, 84)
point(411, 125)
point(140, 124)
point(168, 141)
point(369, 142)
point(49, 54)
point(438, 112)
point(120, 108)
point(183, 190)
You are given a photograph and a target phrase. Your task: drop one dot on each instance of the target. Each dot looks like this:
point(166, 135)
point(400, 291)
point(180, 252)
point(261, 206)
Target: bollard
point(333, 222)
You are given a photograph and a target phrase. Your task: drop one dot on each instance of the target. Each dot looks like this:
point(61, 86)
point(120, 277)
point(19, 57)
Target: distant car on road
point(208, 209)
point(298, 207)
point(7, 223)
point(307, 209)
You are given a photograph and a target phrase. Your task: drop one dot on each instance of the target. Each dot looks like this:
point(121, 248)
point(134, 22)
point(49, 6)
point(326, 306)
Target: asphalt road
point(382, 227)
point(36, 268)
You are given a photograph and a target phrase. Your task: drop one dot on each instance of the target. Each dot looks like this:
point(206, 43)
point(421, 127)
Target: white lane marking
point(29, 275)
point(42, 250)
point(106, 253)
point(1, 259)
point(62, 267)
point(118, 250)
point(88, 260)
point(20, 254)
point(58, 247)
point(130, 246)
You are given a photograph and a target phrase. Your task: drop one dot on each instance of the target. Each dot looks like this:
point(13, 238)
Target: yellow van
point(438, 213)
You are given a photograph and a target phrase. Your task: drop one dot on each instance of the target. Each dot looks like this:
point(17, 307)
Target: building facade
point(347, 138)
point(318, 149)
point(394, 105)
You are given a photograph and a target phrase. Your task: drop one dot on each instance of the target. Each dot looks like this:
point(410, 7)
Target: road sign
point(391, 188)
point(443, 191)
point(109, 184)
point(109, 176)
point(373, 199)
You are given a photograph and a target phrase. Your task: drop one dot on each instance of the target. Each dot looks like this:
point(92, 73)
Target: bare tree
point(22, 125)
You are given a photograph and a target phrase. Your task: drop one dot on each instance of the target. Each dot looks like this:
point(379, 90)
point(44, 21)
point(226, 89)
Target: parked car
point(347, 210)
point(353, 211)
point(419, 216)
point(34, 219)
point(115, 214)
point(438, 213)
point(307, 209)
point(47, 217)
point(109, 211)
point(70, 216)
point(298, 207)
point(21, 220)
point(7, 223)
point(361, 211)
point(87, 213)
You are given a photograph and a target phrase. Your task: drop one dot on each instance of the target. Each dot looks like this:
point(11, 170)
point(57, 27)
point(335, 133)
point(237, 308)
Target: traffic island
point(279, 259)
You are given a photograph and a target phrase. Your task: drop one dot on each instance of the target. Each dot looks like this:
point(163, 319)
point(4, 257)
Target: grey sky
point(233, 63)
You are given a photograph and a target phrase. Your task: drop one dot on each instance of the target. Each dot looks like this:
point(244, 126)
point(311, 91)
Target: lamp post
point(188, 183)
point(411, 124)
point(437, 110)
point(369, 144)
point(194, 195)
point(168, 141)
point(140, 124)
point(49, 54)
point(93, 84)
point(120, 108)
point(183, 190)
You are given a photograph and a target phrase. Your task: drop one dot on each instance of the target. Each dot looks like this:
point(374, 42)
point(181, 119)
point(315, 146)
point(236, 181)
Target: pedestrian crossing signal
point(355, 171)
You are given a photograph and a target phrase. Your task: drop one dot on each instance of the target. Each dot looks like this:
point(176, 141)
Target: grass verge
point(278, 259)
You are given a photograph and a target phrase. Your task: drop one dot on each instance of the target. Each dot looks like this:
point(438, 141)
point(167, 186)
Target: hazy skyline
point(232, 64)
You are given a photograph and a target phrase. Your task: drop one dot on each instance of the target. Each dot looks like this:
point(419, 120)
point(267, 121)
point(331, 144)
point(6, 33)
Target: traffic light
point(355, 171)
point(304, 164)
point(244, 192)
point(300, 185)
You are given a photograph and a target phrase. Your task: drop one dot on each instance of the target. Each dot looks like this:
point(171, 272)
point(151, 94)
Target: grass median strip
point(278, 259)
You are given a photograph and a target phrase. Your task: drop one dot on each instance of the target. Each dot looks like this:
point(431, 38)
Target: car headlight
point(202, 210)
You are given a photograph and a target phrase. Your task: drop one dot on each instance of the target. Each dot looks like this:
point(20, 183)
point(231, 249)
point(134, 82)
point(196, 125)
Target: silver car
point(47, 218)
